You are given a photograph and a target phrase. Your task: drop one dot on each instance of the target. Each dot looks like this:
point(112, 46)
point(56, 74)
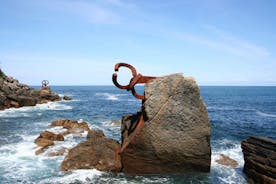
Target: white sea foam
point(110, 96)
point(266, 114)
point(27, 111)
point(76, 176)
point(227, 174)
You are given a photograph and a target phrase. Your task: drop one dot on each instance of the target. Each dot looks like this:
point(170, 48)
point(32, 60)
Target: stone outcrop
point(259, 159)
point(15, 94)
point(175, 137)
point(97, 152)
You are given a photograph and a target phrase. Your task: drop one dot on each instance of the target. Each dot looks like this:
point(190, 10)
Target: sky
point(78, 42)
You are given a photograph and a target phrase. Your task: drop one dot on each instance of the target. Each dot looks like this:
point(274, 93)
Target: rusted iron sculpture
point(136, 79)
point(45, 83)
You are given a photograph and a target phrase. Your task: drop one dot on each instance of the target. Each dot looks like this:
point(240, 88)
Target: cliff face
point(14, 94)
point(259, 159)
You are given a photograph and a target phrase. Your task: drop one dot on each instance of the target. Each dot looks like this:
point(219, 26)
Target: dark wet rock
point(227, 161)
point(67, 98)
point(175, 137)
point(259, 159)
point(15, 94)
point(97, 152)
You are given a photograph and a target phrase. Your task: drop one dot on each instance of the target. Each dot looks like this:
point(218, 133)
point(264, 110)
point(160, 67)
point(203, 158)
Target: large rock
point(15, 94)
point(98, 152)
point(175, 137)
point(259, 159)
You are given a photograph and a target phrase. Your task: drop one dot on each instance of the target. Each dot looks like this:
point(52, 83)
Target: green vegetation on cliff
point(2, 75)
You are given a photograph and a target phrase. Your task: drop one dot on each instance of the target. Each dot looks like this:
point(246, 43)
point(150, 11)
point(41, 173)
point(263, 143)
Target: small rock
point(43, 142)
point(67, 98)
point(41, 150)
point(51, 136)
point(116, 123)
point(58, 152)
point(71, 124)
point(227, 161)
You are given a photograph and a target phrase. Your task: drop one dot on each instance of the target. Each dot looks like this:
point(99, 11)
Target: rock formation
point(15, 94)
point(72, 126)
point(97, 152)
point(175, 137)
point(47, 138)
point(259, 159)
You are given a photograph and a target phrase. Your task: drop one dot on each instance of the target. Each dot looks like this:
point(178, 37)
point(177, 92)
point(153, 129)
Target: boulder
point(43, 142)
point(227, 161)
point(175, 136)
point(259, 159)
point(97, 152)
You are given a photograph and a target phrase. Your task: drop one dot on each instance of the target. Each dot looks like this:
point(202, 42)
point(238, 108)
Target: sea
point(235, 113)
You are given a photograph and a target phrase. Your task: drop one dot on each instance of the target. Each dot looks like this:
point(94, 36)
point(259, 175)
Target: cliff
point(15, 94)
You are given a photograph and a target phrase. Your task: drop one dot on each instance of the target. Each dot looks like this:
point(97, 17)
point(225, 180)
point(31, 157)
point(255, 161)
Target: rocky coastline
point(14, 94)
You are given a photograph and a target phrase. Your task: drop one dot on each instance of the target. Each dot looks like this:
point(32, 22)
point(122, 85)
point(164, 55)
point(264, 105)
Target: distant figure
point(45, 83)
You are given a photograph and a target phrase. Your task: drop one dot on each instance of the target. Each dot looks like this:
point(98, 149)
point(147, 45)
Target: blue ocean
point(235, 113)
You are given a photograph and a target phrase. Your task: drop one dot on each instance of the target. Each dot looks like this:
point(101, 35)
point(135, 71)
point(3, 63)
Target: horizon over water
point(235, 113)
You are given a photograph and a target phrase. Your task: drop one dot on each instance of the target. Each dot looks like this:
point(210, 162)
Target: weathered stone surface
point(227, 161)
point(259, 159)
point(43, 142)
point(175, 137)
point(15, 94)
point(98, 152)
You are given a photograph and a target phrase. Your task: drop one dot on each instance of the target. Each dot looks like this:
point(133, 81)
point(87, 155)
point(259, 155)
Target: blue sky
point(77, 42)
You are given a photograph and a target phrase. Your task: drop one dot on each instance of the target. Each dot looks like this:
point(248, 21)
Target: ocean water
point(235, 113)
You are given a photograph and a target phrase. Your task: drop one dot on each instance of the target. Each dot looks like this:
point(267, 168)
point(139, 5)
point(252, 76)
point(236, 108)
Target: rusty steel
point(136, 79)
point(45, 83)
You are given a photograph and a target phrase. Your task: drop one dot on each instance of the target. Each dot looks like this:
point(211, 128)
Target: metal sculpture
point(136, 79)
point(45, 83)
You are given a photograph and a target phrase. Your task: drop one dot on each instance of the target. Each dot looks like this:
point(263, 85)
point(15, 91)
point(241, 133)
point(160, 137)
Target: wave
point(265, 114)
point(27, 111)
point(110, 96)
point(76, 176)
